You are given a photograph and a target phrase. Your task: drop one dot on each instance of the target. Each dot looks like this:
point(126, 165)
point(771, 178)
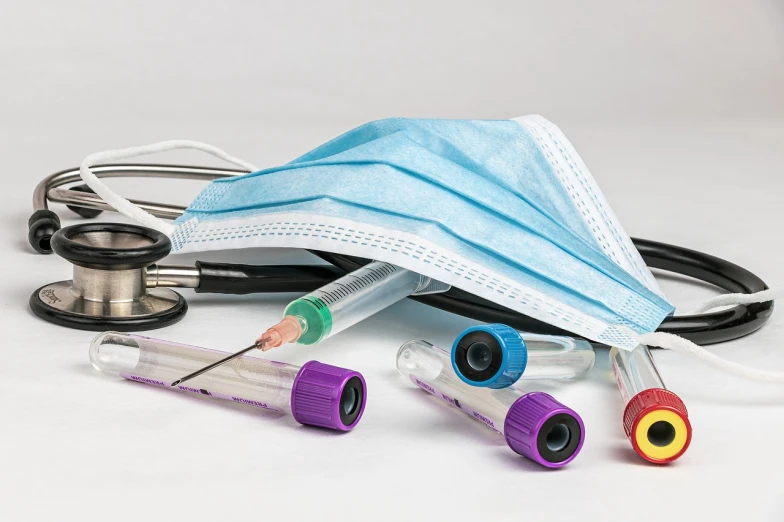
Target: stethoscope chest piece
point(109, 288)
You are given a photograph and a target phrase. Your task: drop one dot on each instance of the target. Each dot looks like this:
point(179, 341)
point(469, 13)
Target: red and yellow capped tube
point(655, 419)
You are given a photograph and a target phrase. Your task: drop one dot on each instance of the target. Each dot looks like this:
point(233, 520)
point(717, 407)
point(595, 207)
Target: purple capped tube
point(533, 424)
point(315, 394)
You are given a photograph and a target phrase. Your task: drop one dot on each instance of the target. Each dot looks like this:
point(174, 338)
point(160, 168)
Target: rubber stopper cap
point(513, 355)
point(657, 407)
point(328, 396)
point(531, 420)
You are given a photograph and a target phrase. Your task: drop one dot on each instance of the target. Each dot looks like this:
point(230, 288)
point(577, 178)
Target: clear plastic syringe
point(316, 394)
point(338, 305)
point(497, 355)
point(345, 302)
point(654, 418)
point(534, 424)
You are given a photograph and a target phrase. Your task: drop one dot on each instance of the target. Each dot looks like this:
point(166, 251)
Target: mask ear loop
point(736, 299)
point(679, 344)
point(124, 206)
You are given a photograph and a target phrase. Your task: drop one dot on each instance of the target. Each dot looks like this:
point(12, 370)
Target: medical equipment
point(533, 424)
point(705, 328)
point(345, 302)
point(478, 205)
point(338, 305)
point(655, 419)
point(116, 283)
point(496, 356)
point(518, 220)
point(315, 394)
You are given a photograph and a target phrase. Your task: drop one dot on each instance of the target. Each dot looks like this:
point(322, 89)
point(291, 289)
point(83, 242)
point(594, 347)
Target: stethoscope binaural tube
point(706, 328)
point(44, 223)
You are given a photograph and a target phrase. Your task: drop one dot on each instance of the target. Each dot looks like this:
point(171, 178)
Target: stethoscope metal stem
point(100, 285)
point(174, 276)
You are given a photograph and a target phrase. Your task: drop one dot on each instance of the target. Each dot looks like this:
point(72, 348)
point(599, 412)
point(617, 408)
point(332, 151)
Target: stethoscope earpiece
point(41, 226)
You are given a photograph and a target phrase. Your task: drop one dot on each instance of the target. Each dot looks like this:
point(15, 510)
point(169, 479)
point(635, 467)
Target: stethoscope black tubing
point(703, 329)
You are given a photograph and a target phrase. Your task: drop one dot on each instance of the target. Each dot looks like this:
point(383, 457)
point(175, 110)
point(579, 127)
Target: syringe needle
point(257, 344)
point(286, 331)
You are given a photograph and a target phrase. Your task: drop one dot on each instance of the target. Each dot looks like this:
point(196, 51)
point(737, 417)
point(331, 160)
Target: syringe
point(534, 424)
point(338, 305)
point(316, 394)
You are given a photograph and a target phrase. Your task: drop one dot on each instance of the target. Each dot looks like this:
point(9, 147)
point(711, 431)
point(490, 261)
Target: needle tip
point(175, 383)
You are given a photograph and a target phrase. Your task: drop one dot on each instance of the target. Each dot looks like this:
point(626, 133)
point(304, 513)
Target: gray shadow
point(625, 454)
point(447, 418)
point(515, 462)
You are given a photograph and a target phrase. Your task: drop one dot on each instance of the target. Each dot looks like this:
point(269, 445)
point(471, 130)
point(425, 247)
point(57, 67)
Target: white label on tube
point(143, 380)
point(200, 391)
point(455, 403)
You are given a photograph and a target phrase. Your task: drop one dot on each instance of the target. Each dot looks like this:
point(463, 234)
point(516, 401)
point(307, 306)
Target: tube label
point(456, 403)
point(200, 391)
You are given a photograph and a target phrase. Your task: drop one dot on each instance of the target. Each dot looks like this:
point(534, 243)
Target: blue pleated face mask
point(505, 210)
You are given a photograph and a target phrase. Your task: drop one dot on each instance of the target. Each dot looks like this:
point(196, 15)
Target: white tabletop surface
point(677, 111)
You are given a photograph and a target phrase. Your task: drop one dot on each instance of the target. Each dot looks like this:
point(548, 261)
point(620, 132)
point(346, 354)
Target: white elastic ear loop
point(124, 206)
point(681, 345)
point(736, 299)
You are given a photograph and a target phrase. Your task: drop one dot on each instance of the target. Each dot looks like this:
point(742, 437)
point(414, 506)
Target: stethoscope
point(118, 284)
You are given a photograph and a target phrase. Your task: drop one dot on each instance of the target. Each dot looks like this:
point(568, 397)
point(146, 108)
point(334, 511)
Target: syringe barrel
point(534, 424)
point(497, 356)
point(352, 298)
point(316, 393)
point(654, 418)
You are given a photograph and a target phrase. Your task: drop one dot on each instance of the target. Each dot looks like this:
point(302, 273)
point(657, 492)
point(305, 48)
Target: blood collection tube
point(654, 418)
point(316, 394)
point(534, 424)
point(497, 355)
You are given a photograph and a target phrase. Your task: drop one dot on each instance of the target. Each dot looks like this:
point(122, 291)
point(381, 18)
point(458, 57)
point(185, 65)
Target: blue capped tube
point(533, 423)
point(497, 356)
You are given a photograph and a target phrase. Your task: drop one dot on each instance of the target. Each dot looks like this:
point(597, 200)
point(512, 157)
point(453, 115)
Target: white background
point(677, 108)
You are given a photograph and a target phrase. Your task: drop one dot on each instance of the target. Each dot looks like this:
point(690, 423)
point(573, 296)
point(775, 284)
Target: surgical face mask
point(505, 210)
